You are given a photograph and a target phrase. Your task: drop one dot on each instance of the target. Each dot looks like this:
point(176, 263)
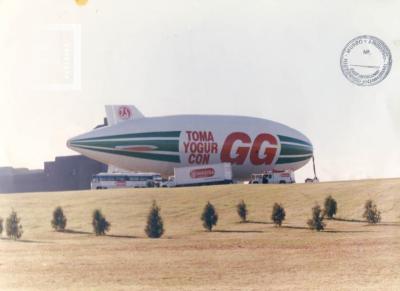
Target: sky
point(60, 63)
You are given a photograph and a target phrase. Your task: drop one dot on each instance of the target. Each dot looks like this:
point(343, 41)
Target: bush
point(330, 207)
point(155, 226)
point(371, 213)
point(1, 225)
point(278, 214)
point(242, 210)
point(316, 222)
point(59, 220)
point(13, 226)
point(209, 216)
point(100, 224)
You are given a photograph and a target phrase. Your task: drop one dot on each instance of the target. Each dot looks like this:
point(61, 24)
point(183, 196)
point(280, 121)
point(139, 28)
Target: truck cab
point(168, 183)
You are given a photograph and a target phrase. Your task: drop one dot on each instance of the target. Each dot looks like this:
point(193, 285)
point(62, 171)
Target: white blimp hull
point(160, 144)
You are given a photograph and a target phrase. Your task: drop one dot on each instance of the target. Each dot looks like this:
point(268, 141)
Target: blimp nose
point(71, 143)
point(86, 141)
point(74, 142)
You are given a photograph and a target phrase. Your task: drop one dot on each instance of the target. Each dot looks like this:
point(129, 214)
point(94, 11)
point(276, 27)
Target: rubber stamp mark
point(366, 60)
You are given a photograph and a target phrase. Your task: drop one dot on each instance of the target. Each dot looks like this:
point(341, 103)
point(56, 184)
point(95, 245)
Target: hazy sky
point(60, 63)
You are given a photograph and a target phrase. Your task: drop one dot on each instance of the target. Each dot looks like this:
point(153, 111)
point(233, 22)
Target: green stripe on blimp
point(161, 145)
point(146, 156)
point(289, 149)
point(292, 160)
point(134, 135)
point(283, 138)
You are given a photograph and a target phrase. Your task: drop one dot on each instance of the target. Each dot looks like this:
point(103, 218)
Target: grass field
point(349, 255)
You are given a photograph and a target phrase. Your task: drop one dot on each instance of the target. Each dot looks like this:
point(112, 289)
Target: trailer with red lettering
point(201, 175)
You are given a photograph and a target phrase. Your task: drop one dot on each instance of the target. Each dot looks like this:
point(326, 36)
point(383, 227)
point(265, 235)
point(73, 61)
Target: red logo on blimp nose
point(202, 173)
point(124, 112)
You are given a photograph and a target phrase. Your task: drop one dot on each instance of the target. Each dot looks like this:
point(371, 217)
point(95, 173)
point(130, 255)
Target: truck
point(211, 174)
point(273, 177)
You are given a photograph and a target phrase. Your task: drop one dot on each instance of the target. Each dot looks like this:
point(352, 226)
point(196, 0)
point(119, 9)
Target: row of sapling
point(13, 226)
point(371, 213)
point(154, 227)
point(316, 222)
point(99, 222)
point(210, 215)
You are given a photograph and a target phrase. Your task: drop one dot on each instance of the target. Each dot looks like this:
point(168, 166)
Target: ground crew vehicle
point(286, 177)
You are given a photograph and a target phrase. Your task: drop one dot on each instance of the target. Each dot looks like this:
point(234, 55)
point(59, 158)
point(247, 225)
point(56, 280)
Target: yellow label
point(81, 2)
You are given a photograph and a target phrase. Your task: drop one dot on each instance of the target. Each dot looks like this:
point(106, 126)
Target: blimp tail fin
point(120, 113)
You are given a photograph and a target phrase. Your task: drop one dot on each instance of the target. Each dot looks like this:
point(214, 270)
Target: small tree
point(100, 224)
point(13, 226)
point(242, 211)
point(316, 222)
point(209, 216)
point(330, 207)
point(371, 213)
point(1, 225)
point(59, 220)
point(155, 226)
point(278, 214)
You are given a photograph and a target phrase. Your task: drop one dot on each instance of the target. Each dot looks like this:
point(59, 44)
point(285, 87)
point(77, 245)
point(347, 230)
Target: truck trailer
point(212, 174)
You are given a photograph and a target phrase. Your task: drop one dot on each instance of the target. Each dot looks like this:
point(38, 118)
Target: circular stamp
point(366, 60)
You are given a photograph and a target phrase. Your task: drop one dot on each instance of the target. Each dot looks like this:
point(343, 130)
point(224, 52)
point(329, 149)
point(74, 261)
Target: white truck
point(200, 175)
point(272, 177)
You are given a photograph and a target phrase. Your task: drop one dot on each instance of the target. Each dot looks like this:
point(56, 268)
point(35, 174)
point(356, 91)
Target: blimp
point(133, 142)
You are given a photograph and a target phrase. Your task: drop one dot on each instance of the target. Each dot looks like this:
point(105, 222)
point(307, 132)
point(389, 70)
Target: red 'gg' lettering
point(269, 152)
point(241, 152)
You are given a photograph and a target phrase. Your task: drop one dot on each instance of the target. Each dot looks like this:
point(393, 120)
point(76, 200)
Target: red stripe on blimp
point(138, 149)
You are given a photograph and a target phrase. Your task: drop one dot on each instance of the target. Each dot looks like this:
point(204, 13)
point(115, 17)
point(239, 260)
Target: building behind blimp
point(63, 174)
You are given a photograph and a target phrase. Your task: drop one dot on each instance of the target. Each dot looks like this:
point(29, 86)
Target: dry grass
point(237, 256)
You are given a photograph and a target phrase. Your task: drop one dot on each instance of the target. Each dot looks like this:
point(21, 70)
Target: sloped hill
point(254, 255)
